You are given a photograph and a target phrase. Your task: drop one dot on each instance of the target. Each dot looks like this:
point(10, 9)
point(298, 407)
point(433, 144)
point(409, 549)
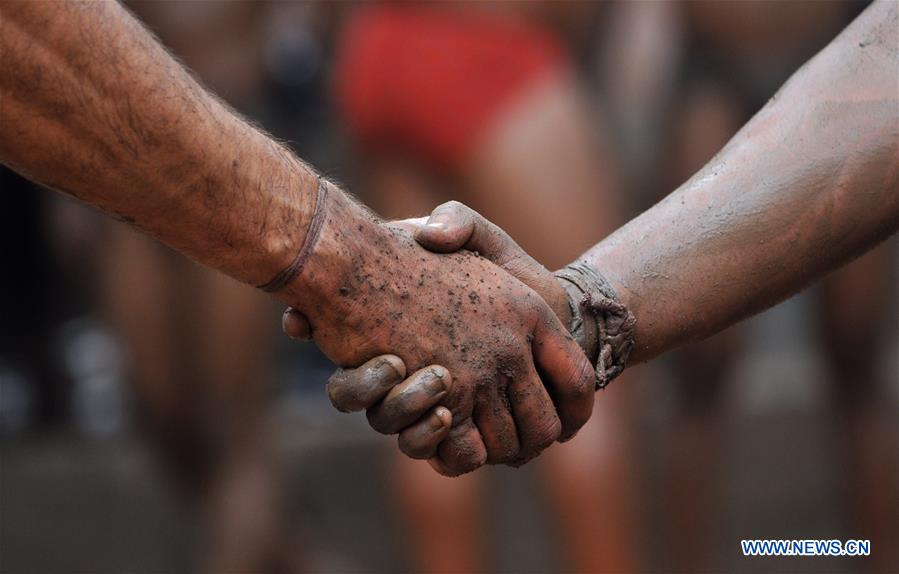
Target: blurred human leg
point(445, 526)
point(138, 300)
point(198, 345)
point(544, 174)
point(692, 457)
point(245, 507)
point(590, 482)
point(854, 315)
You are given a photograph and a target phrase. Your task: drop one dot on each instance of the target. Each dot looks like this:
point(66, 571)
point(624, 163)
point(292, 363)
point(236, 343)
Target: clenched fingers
point(410, 400)
point(421, 439)
point(462, 451)
point(360, 388)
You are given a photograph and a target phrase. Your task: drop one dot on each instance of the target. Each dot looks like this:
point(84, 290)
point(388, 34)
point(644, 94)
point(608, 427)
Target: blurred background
point(152, 419)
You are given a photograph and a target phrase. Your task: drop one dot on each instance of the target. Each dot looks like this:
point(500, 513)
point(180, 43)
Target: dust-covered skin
point(93, 106)
point(809, 183)
point(364, 388)
point(451, 227)
point(368, 288)
point(454, 226)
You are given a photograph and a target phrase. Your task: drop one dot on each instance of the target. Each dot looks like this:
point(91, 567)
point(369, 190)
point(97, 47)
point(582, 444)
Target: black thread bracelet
point(283, 278)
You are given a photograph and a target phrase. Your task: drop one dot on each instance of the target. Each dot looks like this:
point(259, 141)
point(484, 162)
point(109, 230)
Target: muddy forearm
point(810, 182)
point(93, 106)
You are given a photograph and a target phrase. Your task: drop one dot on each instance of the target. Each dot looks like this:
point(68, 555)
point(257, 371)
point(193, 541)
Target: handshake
point(453, 337)
point(502, 356)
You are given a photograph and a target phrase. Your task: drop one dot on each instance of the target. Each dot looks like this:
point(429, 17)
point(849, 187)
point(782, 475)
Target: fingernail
point(436, 383)
point(285, 318)
point(387, 364)
point(435, 386)
point(435, 225)
point(436, 421)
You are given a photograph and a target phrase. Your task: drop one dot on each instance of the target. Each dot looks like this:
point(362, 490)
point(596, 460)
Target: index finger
point(360, 388)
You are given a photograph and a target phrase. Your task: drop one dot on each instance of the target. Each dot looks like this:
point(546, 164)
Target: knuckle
point(464, 460)
point(442, 468)
point(401, 405)
point(528, 305)
point(574, 424)
point(337, 377)
point(468, 463)
point(454, 205)
point(333, 395)
point(379, 422)
point(548, 433)
point(336, 392)
point(413, 448)
point(579, 383)
point(504, 455)
point(396, 366)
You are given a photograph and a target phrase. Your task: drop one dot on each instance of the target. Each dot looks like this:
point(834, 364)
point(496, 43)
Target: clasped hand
point(459, 348)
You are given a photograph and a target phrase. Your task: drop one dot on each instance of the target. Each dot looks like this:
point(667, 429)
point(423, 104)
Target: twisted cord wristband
point(609, 336)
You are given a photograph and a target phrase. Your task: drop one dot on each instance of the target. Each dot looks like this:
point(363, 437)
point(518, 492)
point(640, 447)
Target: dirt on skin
point(369, 290)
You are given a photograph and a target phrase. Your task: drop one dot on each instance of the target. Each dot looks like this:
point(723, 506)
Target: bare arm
point(94, 107)
point(809, 183)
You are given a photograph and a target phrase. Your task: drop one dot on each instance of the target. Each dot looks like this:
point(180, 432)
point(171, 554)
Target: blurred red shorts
point(430, 81)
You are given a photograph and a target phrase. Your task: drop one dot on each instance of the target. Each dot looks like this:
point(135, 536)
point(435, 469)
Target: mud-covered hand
point(381, 387)
point(581, 297)
point(453, 226)
point(484, 327)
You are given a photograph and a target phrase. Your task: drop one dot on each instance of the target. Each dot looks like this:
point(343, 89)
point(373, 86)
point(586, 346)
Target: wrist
point(600, 322)
point(330, 265)
point(292, 192)
point(582, 326)
point(292, 267)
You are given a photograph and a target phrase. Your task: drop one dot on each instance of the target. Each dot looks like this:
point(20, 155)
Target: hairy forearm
point(93, 106)
point(809, 183)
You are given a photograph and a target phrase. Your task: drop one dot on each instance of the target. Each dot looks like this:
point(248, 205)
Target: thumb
point(296, 325)
point(449, 228)
point(410, 225)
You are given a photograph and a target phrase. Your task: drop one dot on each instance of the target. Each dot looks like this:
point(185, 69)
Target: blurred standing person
point(185, 327)
point(480, 102)
point(698, 71)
